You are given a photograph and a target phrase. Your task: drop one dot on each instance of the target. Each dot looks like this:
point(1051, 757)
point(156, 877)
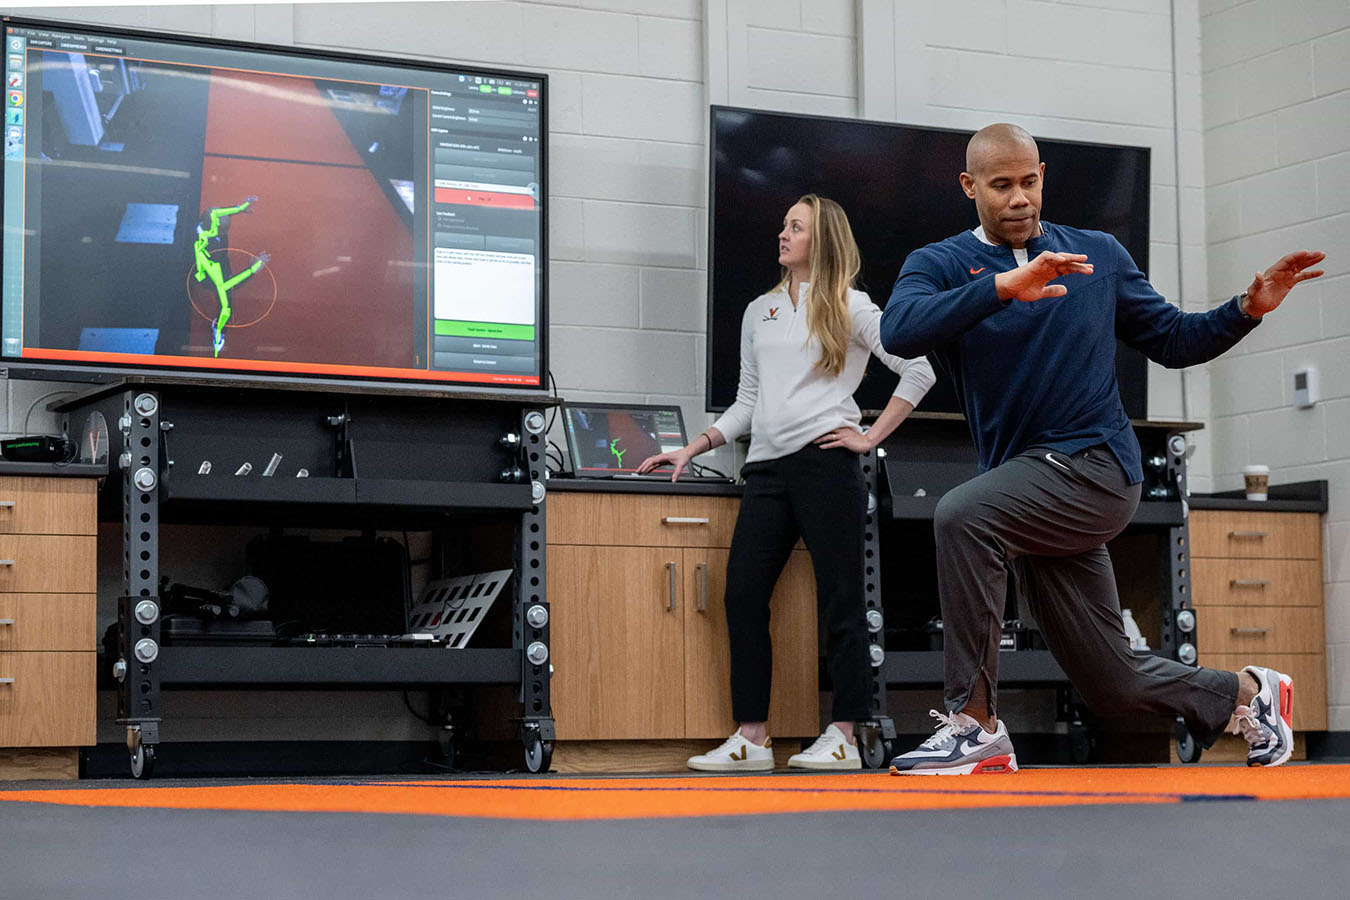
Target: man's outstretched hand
point(1270, 287)
point(1029, 282)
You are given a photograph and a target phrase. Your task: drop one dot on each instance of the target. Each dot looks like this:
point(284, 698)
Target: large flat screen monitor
point(898, 184)
point(192, 206)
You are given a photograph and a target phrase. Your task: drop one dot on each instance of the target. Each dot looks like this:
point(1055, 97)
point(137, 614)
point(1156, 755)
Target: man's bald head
point(999, 140)
point(1003, 176)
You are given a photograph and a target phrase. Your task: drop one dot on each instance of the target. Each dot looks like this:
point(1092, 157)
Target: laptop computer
point(610, 440)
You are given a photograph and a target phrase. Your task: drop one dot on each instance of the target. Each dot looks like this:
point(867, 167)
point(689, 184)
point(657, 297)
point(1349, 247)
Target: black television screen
point(194, 206)
point(899, 186)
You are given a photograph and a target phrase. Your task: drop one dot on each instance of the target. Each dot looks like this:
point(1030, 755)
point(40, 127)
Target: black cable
point(553, 417)
point(700, 469)
point(553, 453)
point(555, 466)
point(32, 406)
point(415, 714)
point(553, 413)
point(407, 548)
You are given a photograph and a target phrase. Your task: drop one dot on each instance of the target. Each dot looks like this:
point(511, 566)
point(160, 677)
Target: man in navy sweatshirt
point(1034, 366)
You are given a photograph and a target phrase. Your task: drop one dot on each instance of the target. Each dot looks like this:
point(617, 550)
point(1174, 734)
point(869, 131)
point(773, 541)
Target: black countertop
point(394, 391)
point(68, 470)
point(619, 486)
point(1301, 496)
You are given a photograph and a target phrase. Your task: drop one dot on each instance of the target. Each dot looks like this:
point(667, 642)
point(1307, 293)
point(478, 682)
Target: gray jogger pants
point(1050, 515)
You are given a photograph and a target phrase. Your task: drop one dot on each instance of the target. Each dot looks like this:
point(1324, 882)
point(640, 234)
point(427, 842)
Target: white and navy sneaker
point(737, 754)
point(960, 747)
point(830, 751)
point(1268, 723)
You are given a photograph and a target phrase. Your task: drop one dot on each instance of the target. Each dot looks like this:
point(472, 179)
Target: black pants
point(819, 496)
point(1050, 515)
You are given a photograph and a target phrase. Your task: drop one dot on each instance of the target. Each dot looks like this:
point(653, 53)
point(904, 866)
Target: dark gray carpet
point(1203, 850)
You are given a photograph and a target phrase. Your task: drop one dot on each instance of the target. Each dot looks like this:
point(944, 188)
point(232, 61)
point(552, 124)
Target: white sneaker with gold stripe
point(830, 751)
point(737, 754)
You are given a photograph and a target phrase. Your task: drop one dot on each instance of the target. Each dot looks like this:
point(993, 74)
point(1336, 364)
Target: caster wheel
point(143, 761)
point(445, 745)
point(1188, 750)
point(1082, 744)
point(874, 751)
point(538, 756)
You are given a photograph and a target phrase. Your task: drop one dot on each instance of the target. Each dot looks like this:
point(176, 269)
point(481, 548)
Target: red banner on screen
point(484, 198)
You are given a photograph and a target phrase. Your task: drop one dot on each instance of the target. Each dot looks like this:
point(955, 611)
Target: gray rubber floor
point(1208, 850)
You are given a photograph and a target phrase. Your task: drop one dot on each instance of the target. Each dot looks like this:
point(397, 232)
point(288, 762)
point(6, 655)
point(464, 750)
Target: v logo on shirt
point(773, 314)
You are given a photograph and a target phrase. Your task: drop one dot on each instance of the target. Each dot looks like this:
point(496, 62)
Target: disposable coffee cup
point(1258, 480)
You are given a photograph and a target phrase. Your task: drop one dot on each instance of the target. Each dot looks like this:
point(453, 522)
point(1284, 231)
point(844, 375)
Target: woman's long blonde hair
point(835, 264)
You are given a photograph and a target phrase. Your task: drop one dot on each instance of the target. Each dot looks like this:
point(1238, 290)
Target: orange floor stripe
point(552, 798)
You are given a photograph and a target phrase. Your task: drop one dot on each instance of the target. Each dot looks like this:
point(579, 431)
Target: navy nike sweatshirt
point(1043, 374)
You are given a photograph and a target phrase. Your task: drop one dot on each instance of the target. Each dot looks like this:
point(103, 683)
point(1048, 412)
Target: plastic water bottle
point(1137, 641)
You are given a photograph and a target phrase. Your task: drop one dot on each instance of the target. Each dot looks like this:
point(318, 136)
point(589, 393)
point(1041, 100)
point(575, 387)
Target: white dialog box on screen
point(484, 286)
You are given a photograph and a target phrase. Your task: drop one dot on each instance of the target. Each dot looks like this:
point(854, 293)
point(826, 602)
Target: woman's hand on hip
point(843, 436)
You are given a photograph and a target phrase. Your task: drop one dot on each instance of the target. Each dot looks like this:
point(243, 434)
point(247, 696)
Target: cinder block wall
point(1277, 155)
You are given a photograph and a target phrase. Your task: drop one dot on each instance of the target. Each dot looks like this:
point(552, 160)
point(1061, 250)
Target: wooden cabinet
point(793, 704)
point(50, 700)
point(641, 520)
point(1256, 580)
point(48, 647)
point(636, 583)
point(617, 642)
point(1232, 534)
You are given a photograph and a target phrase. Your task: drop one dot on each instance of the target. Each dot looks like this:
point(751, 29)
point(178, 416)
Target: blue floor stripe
point(1105, 795)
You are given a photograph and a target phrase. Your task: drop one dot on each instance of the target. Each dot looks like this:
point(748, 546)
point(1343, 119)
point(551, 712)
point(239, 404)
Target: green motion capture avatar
point(212, 235)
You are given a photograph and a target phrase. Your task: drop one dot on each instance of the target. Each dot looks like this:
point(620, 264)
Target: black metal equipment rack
point(425, 460)
point(876, 736)
point(933, 454)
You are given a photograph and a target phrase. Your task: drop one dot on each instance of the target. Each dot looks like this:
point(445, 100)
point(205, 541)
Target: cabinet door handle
point(670, 572)
point(6, 621)
point(6, 504)
point(6, 562)
point(702, 587)
point(1245, 535)
point(1249, 582)
point(1236, 630)
point(6, 680)
point(684, 520)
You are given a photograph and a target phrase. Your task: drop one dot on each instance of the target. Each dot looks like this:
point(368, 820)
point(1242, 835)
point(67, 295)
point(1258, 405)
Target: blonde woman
point(804, 349)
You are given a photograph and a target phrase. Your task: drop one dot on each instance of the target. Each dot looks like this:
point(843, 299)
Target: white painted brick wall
point(1074, 32)
point(1280, 197)
point(799, 55)
point(593, 294)
point(1335, 316)
point(1277, 151)
point(1331, 63)
point(1333, 185)
point(973, 25)
point(637, 171)
point(797, 62)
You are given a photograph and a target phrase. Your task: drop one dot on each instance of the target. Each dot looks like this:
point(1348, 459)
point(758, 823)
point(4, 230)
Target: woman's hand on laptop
point(678, 459)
